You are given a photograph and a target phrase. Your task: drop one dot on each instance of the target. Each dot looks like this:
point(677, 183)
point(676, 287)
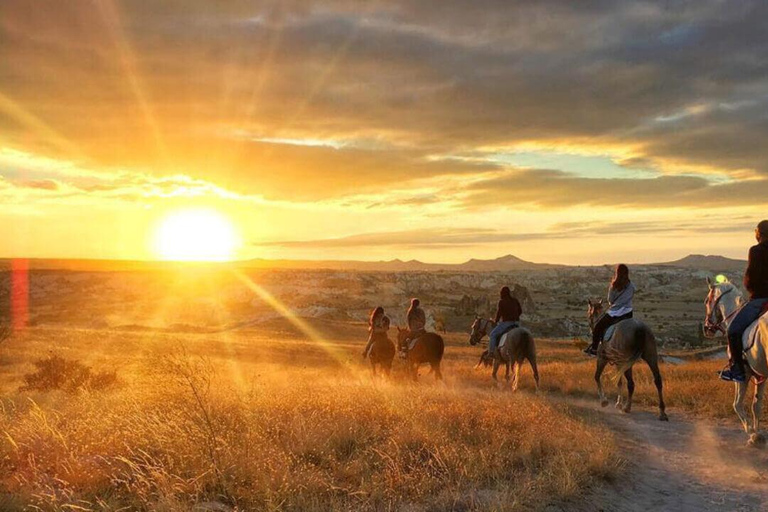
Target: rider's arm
point(751, 274)
point(498, 313)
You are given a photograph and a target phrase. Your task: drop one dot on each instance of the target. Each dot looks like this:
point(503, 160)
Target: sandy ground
point(681, 465)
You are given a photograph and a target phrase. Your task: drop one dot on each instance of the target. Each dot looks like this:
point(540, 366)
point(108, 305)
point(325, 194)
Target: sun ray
point(333, 350)
point(24, 117)
point(111, 17)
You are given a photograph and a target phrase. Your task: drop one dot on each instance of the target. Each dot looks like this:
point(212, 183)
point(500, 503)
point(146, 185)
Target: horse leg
point(738, 405)
point(495, 371)
point(507, 365)
point(757, 408)
point(436, 371)
point(620, 386)
point(518, 365)
point(630, 390)
point(532, 360)
point(653, 364)
point(601, 362)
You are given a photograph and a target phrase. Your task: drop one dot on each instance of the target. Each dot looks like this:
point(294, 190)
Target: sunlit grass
point(296, 430)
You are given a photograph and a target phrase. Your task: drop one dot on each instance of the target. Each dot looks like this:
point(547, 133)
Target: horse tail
point(440, 347)
point(625, 363)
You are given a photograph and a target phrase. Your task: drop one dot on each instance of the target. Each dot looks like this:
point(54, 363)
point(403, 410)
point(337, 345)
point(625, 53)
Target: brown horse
point(426, 349)
point(630, 341)
point(518, 347)
point(382, 353)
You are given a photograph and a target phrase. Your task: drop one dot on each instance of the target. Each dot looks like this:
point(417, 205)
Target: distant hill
point(509, 262)
point(707, 262)
point(503, 263)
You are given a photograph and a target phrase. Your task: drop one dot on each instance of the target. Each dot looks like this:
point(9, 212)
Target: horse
point(630, 341)
point(518, 347)
point(722, 303)
point(428, 348)
point(382, 353)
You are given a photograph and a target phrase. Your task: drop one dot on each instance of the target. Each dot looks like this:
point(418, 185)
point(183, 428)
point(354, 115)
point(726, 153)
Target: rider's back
point(756, 276)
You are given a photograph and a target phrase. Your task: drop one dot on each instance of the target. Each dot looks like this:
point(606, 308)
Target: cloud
point(427, 77)
point(557, 189)
point(440, 238)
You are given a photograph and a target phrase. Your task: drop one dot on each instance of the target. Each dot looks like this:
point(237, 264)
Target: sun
point(196, 235)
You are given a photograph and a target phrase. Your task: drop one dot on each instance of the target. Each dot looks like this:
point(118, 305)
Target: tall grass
point(185, 429)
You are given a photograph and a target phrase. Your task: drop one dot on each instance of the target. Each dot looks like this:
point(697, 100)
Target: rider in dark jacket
point(756, 283)
point(416, 320)
point(507, 316)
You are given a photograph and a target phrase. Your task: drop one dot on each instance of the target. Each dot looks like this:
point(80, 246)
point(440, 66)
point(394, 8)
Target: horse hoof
point(756, 440)
point(663, 417)
point(626, 410)
point(604, 403)
point(619, 405)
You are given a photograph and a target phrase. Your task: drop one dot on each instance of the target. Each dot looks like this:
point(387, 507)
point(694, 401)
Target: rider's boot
point(734, 374)
point(591, 350)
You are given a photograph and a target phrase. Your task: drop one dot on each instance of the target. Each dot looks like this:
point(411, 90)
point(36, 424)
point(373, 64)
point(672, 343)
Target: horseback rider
point(377, 323)
point(620, 293)
point(507, 316)
point(416, 320)
point(756, 283)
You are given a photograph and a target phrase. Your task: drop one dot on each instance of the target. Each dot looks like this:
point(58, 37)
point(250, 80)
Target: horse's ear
point(589, 301)
point(709, 282)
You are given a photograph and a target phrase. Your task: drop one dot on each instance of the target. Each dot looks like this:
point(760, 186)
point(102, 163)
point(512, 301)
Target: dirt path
point(680, 465)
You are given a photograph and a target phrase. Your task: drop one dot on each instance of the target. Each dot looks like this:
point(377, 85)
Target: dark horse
point(631, 341)
point(426, 349)
point(382, 353)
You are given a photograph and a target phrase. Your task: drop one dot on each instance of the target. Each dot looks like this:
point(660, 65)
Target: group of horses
point(628, 342)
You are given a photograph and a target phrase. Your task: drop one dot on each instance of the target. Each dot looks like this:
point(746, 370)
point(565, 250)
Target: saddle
point(504, 335)
point(749, 339)
point(609, 332)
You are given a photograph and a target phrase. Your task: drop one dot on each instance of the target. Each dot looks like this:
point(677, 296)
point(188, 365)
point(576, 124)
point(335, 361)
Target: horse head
point(402, 338)
point(477, 331)
point(594, 310)
point(722, 303)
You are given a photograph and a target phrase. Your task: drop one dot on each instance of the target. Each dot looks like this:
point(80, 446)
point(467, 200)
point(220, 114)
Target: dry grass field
point(270, 421)
point(266, 419)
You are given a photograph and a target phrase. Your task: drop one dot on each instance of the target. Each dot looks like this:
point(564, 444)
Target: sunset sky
point(556, 130)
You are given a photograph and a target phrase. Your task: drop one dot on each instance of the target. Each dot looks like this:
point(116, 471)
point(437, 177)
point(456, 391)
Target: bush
point(56, 372)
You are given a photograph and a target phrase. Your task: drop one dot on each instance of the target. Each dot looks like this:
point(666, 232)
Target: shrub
point(56, 372)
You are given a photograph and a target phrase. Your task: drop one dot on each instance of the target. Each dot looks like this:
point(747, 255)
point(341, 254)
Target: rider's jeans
point(496, 333)
point(746, 315)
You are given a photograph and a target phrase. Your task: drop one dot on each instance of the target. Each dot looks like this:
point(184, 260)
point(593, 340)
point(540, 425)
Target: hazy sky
point(556, 130)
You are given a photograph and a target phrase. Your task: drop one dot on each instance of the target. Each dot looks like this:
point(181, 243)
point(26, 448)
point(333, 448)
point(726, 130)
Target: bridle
point(482, 329)
point(714, 309)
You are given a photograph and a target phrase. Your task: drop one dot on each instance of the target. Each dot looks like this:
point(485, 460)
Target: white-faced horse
point(723, 302)
point(515, 346)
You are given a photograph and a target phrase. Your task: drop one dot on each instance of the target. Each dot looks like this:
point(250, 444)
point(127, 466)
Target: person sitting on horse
point(620, 293)
point(507, 317)
point(377, 323)
point(756, 283)
point(416, 320)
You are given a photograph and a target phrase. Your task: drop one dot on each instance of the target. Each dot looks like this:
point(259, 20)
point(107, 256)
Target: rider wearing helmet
point(507, 316)
point(620, 294)
point(756, 283)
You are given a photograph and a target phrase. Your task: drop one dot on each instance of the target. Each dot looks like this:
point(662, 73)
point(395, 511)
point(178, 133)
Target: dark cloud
point(163, 86)
point(558, 189)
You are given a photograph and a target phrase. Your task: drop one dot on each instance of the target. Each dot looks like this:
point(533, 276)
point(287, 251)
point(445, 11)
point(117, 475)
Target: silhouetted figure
point(416, 320)
point(756, 283)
